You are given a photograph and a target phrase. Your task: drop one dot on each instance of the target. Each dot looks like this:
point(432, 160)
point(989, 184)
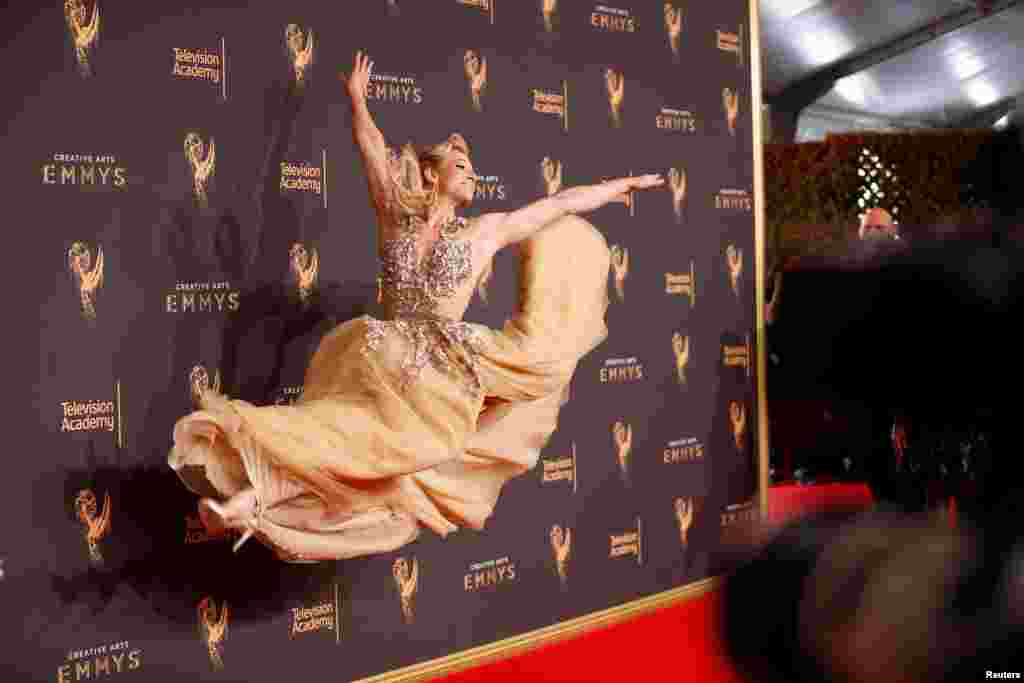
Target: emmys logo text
point(490, 188)
point(85, 170)
point(393, 89)
point(686, 450)
point(621, 370)
point(612, 19)
point(202, 297)
point(105, 660)
point(489, 574)
point(734, 200)
point(676, 120)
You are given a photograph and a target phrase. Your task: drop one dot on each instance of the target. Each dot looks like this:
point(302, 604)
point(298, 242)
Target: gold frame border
point(509, 647)
point(760, 243)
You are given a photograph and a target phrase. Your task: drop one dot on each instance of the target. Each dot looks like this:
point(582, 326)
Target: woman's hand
point(502, 229)
point(622, 189)
point(358, 81)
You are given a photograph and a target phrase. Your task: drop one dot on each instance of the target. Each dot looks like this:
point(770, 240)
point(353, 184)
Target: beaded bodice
point(411, 288)
point(415, 294)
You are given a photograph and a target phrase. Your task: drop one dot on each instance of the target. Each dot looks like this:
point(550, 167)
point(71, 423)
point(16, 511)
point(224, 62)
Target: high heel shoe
point(217, 520)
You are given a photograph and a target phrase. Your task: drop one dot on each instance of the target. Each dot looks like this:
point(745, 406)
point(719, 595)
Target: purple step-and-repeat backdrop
point(192, 211)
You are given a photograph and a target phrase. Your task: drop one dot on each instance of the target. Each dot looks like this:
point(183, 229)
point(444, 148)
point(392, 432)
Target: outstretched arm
point(503, 229)
point(369, 139)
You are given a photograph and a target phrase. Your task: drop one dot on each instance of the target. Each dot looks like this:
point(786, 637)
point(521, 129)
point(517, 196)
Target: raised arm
point(369, 139)
point(503, 229)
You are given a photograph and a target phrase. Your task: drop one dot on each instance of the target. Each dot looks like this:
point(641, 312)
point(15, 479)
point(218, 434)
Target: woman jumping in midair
point(417, 419)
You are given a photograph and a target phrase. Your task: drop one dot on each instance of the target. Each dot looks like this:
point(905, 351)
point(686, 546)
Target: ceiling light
point(982, 93)
point(966, 65)
point(787, 9)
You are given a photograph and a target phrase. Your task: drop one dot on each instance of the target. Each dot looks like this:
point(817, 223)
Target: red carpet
point(679, 643)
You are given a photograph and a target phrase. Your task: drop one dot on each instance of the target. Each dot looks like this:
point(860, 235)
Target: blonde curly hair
point(408, 166)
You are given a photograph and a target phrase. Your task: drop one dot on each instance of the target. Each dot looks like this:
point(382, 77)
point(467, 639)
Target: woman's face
point(456, 178)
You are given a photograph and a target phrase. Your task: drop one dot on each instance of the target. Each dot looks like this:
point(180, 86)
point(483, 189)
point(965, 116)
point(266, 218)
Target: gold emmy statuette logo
point(407, 582)
point(96, 522)
point(83, 34)
point(213, 629)
point(738, 418)
point(548, 9)
point(615, 85)
point(304, 266)
point(551, 175)
point(734, 259)
point(681, 349)
point(561, 546)
point(88, 277)
point(731, 104)
point(300, 51)
point(684, 517)
point(482, 284)
point(202, 161)
point(677, 186)
point(476, 74)
point(620, 269)
point(622, 435)
point(199, 383)
point(673, 26)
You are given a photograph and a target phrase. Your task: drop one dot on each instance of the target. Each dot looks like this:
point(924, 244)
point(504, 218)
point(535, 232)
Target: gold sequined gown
point(413, 421)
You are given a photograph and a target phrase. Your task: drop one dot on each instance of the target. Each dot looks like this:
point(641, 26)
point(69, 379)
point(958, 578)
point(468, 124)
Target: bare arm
point(503, 229)
point(369, 139)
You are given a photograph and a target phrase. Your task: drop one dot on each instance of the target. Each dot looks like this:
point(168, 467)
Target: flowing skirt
point(361, 461)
